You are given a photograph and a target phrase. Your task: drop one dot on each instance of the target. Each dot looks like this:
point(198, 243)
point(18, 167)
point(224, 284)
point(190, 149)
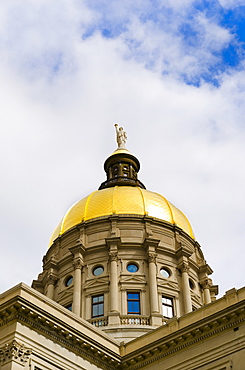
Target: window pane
point(167, 307)
point(167, 301)
point(132, 267)
point(95, 299)
point(164, 272)
point(98, 270)
point(133, 295)
point(100, 309)
point(98, 306)
point(133, 303)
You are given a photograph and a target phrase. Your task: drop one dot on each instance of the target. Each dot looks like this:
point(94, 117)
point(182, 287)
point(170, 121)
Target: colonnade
point(114, 313)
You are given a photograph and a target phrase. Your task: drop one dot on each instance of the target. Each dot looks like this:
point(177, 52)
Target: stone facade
point(113, 243)
point(36, 333)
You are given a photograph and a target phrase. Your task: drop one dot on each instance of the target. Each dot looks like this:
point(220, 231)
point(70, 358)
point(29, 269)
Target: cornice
point(32, 309)
point(56, 328)
point(186, 337)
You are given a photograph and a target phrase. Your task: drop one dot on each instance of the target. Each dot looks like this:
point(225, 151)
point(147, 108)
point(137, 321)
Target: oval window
point(165, 272)
point(132, 267)
point(68, 281)
point(98, 270)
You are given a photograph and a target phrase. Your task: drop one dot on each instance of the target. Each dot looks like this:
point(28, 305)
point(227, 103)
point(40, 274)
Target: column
point(76, 305)
point(153, 283)
point(50, 288)
point(206, 291)
point(113, 315)
point(113, 282)
point(151, 245)
point(77, 251)
point(184, 268)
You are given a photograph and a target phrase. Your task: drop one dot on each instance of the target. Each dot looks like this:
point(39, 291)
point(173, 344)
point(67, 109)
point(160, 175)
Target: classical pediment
point(167, 283)
point(96, 283)
point(64, 294)
point(132, 279)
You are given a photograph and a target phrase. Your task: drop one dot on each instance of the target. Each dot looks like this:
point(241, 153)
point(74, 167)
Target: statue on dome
point(121, 137)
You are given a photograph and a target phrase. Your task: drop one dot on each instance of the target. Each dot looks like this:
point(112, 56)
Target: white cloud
point(57, 129)
point(231, 4)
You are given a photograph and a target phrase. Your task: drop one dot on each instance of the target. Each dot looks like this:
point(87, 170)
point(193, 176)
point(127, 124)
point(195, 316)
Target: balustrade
point(135, 320)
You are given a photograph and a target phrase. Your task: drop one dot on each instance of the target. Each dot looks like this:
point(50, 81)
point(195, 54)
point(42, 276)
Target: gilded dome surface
point(119, 200)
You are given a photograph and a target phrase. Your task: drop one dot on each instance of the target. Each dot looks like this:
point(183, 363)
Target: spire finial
point(121, 137)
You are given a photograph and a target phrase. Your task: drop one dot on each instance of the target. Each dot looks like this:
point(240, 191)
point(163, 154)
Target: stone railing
point(99, 321)
point(134, 320)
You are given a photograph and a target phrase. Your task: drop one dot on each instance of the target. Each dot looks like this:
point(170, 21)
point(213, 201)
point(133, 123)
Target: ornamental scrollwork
point(206, 284)
point(51, 279)
point(184, 268)
point(78, 263)
point(113, 256)
point(152, 257)
point(15, 351)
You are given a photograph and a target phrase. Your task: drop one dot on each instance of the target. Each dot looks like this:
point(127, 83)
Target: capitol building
point(125, 285)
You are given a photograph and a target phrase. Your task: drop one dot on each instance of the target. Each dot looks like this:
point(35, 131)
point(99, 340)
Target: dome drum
point(113, 243)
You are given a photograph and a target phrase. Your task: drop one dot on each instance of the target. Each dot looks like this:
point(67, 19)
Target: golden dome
point(120, 200)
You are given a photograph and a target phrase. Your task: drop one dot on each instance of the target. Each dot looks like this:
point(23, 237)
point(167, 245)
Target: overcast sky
point(171, 72)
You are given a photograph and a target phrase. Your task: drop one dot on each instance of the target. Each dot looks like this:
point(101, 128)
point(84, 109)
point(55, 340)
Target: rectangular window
point(98, 305)
point(167, 307)
point(133, 303)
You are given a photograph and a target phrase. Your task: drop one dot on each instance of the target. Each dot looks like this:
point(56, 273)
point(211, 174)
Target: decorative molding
point(152, 257)
point(78, 263)
point(172, 344)
point(58, 332)
point(168, 283)
point(113, 256)
point(51, 280)
point(206, 284)
point(184, 267)
point(14, 351)
point(133, 279)
point(96, 283)
point(68, 336)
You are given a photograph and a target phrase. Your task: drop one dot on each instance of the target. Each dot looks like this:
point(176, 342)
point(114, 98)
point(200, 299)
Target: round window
point(165, 272)
point(68, 281)
point(132, 267)
point(98, 270)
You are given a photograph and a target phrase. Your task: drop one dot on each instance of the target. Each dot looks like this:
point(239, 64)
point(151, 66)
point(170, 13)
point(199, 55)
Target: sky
point(171, 72)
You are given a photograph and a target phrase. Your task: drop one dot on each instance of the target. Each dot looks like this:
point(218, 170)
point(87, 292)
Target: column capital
point(14, 351)
point(152, 256)
point(78, 263)
point(184, 267)
point(51, 280)
point(113, 255)
point(206, 283)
